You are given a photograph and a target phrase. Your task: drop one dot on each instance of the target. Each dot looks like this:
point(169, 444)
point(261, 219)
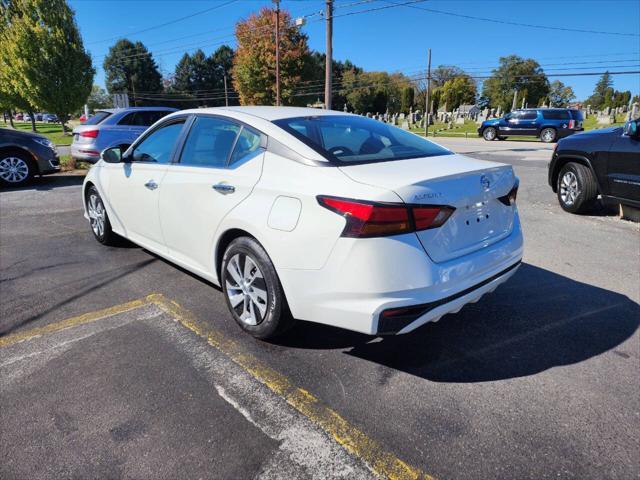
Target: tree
point(406, 99)
point(443, 73)
point(98, 98)
point(43, 57)
point(603, 87)
point(254, 63)
point(516, 73)
point(130, 67)
point(458, 91)
point(200, 80)
point(373, 92)
point(559, 94)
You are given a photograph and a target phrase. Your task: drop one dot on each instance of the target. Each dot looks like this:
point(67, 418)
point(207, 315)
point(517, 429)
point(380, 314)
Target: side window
point(209, 142)
point(529, 115)
point(157, 147)
point(247, 146)
point(128, 119)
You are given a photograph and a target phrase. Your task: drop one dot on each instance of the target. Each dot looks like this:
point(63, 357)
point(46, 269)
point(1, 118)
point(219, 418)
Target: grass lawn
point(53, 131)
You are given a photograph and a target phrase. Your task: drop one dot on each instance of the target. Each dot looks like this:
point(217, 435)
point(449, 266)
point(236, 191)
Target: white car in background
point(312, 214)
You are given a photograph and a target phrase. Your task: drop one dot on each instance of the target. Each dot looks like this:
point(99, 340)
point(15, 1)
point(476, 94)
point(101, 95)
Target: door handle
point(224, 188)
point(151, 184)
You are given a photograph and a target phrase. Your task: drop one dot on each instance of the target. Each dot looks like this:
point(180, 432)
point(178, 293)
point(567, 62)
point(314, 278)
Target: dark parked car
point(23, 155)
point(604, 162)
point(548, 124)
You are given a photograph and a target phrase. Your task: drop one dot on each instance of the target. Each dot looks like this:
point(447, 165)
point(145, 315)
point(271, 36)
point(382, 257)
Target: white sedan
point(312, 214)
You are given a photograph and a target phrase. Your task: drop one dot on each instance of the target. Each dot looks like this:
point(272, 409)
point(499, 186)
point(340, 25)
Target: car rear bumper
point(85, 153)
point(365, 277)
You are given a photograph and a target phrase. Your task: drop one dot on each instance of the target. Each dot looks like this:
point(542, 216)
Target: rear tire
point(100, 224)
point(489, 134)
point(253, 291)
point(548, 135)
point(16, 169)
point(577, 188)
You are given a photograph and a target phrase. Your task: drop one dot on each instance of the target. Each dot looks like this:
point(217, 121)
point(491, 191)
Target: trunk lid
point(471, 186)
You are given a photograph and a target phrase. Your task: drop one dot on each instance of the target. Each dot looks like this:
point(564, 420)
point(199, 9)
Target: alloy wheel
point(490, 134)
point(97, 215)
point(246, 289)
point(547, 136)
point(569, 188)
point(13, 170)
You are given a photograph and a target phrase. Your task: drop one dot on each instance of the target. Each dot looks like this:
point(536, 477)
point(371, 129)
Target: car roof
point(270, 113)
point(134, 109)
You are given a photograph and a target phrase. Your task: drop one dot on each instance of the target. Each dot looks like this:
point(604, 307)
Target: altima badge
point(485, 182)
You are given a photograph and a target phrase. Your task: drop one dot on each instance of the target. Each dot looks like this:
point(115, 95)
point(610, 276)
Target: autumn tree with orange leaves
point(254, 65)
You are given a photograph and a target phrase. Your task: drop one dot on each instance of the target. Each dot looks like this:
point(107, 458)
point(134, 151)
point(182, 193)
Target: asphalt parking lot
point(115, 363)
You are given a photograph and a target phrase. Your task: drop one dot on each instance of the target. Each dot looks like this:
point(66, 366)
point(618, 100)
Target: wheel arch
point(223, 242)
point(563, 160)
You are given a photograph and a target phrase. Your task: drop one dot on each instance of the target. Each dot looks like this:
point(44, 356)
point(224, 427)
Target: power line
point(201, 12)
point(517, 24)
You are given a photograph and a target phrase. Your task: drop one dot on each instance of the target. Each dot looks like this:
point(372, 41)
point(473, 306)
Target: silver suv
point(113, 127)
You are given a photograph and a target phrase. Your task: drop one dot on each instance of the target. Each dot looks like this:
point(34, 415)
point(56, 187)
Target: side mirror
point(631, 128)
point(507, 117)
point(112, 155)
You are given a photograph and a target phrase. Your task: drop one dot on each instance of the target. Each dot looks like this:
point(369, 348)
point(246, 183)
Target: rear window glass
point(97, 118)
point(556, 115)
point(143, 118)
point(353, 139)
point(577, 115)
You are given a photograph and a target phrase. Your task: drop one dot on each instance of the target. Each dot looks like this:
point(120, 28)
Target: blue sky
point(394, 39)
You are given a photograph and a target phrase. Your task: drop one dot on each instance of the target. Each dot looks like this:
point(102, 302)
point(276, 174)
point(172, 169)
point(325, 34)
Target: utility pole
point(277, 52)
point(226, 95)
point(426, 107)
point(328, 70)
point(515, 99)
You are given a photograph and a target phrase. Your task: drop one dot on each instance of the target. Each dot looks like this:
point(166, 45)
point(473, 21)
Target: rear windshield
point(556, 114)
point(350, 139)
point(577, 115)
point(97, 118)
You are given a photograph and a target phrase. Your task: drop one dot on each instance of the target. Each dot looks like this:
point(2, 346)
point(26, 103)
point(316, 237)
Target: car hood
point(21, 133)
point(493, 121)
point(600, 131)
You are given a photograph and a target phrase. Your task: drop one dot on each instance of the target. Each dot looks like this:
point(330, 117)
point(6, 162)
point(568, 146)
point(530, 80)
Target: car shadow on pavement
point(49, 182)
point(536, 321)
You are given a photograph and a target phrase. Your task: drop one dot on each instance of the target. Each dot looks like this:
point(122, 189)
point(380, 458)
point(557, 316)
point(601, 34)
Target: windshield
point(354, 139)
point(97, 118)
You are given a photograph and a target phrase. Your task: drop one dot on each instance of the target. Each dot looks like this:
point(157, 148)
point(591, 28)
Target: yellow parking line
point(382, 462)
point(71, 322)
point(354, 440)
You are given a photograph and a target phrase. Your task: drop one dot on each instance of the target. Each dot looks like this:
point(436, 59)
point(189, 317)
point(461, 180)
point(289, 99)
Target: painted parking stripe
point(383, 463)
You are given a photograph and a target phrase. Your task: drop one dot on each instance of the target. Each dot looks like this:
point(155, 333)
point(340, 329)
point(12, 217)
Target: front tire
point(577, 188)
point(548, 135)
point(489, 134)
point(253, 291)
point(100, 224)
point(16, 169)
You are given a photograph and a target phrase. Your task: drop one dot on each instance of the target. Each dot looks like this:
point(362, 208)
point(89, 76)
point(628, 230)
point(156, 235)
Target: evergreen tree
point(130, 67)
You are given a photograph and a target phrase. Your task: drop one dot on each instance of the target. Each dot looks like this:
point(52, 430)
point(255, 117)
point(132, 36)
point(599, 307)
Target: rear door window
point(556, 115)
point(209, 143)
point(247, 146)
point(529, 115)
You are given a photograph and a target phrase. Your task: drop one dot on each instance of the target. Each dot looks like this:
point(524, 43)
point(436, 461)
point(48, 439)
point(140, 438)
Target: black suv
point(548, 124)
point(605, 162)
point(25, 154)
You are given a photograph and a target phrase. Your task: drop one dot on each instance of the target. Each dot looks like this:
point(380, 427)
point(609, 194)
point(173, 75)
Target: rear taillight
point(510, 198)
point(89, 133)
point(370, 219)
point(572, 124)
